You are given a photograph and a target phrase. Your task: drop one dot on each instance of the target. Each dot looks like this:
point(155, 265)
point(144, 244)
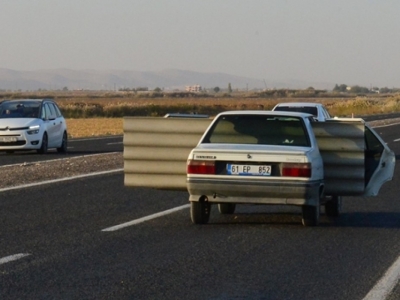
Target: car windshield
point(15, 109)
point(258, 129)
point(304, 109)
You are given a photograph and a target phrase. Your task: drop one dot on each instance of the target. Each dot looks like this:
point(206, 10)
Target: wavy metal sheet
point(156, 150)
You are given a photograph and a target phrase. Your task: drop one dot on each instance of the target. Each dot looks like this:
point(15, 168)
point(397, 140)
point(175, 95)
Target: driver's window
point(43, 113)
point(46, 113)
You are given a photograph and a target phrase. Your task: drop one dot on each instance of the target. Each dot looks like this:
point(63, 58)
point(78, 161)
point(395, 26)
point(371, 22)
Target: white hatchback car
point(32, 124)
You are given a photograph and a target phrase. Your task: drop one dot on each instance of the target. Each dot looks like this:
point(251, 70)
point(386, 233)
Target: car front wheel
point(200, 211)
point(64, 144)
point(43, 147)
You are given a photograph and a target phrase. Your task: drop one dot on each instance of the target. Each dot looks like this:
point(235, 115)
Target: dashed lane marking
point(13, 257)
point(147, 218)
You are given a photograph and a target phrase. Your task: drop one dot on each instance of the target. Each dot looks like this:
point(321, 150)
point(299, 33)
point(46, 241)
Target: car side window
point(52, 109)
point(58, 112)
point(327, 115)
point(47, 109)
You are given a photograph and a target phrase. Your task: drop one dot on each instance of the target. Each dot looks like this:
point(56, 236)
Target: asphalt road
point(76, 147)
point(53, 245)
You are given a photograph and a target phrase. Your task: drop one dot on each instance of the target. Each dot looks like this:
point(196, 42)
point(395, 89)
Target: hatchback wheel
point(64, 144)
point(43, 147)
point(226, 208)
point(200, 211)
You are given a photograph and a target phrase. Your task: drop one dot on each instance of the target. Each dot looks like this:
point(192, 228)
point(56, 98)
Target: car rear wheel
point(200, 211)
point(226, 208)
point(310, 215)
point(64, 144)
point(43, 147)
point(334, 206)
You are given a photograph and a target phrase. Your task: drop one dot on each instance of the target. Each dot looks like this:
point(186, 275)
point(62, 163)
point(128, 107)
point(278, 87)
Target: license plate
point(8, 139)
point(258, 170)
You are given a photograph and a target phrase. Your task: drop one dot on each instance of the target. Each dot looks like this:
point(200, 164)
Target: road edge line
point(59, 180)
point(385, 285)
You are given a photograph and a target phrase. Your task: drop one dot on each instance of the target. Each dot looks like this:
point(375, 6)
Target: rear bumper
point(291, 192)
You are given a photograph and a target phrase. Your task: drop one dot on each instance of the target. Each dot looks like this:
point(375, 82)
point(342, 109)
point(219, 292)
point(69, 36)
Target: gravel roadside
point(15, 175)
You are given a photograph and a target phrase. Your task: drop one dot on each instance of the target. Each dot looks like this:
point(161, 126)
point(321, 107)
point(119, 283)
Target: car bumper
point(292, 192)
point(24, 141)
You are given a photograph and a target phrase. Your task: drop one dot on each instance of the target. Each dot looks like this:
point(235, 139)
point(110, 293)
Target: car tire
point(334, 206)
point(200, 211)
point(310, 215)
point(64, 144)
point(43, 147)
point(226, 208)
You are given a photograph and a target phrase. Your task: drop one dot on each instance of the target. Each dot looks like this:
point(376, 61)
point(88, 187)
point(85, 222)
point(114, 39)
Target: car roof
point(27, 100)
point(300, 104)
point(267, 113)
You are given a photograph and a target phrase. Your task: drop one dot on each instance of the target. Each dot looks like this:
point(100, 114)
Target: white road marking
point(147, 218)
point(385, 285)
point(59, 180)
point(114, 143)
point(12, 257)
point(386, 125)
point(396, 140)
point(58, 159)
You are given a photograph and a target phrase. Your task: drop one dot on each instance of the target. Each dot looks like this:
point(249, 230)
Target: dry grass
point(344, 107)
point(94, 127)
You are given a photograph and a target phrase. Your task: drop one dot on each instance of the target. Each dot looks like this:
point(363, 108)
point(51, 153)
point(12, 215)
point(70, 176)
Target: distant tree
point(229, 88)
point(65, 89)
point(157, 89)
point(359, 89)
point(217, 89)
point(384, 90)
point(310, 88)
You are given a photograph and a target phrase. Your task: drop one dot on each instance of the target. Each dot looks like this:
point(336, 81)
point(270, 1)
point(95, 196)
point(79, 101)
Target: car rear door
point(50, 123)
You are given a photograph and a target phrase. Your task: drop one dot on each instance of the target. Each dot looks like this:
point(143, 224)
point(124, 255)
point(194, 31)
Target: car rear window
point(304, 109)
point(258, 129)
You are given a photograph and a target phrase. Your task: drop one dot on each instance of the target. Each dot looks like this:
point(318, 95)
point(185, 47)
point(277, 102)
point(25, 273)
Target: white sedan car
point(32, 124)
point(318, 110)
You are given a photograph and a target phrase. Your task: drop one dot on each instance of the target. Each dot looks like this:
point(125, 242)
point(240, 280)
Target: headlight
point(33, 129)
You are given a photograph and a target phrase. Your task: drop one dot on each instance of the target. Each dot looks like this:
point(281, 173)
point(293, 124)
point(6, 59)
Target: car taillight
point(296, 170)
point(200, 167)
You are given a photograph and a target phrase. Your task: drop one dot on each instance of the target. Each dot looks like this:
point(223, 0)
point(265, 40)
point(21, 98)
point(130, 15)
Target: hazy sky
point(339, 41)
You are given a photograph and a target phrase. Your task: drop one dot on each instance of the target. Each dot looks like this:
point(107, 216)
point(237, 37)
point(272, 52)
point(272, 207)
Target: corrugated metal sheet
point(342, 146)
point(156, 150)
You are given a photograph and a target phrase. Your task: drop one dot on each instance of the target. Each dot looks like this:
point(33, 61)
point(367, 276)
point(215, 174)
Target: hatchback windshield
point(15, 109)
point(258, 129)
